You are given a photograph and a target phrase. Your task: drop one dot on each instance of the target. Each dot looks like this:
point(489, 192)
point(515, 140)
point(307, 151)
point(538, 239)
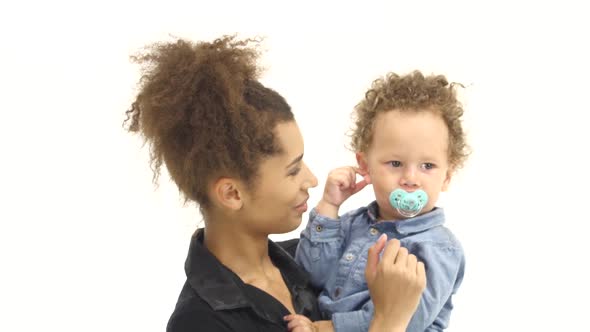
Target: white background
point(88, 244)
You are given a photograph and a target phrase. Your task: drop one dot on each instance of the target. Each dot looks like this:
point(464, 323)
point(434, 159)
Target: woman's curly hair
point(203, 112)
point(412, 92)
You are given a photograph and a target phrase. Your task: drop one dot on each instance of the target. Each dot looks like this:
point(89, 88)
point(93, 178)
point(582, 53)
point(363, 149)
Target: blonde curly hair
point(412, 92)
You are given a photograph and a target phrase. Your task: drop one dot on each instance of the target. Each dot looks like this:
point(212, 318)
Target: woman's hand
point(396, 283)
point(340, 185)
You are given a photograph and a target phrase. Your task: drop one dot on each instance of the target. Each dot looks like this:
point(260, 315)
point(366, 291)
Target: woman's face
point(280, 196)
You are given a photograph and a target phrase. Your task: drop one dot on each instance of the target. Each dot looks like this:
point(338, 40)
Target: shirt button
point(337, 292)
point(319, 228)
point(349, 256)
point(374, 231)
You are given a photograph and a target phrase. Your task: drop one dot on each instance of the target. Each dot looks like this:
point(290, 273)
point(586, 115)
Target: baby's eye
point(428, 165)
point(395, 163)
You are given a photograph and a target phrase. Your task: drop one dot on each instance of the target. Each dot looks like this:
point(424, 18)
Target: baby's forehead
point(419, 151)
point(414, 144)
point(410, 132)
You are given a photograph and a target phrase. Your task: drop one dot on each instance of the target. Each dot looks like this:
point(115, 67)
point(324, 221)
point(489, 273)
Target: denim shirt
point(334, 252)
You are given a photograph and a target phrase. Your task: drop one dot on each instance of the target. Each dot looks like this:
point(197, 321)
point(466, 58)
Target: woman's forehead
point(290, 139)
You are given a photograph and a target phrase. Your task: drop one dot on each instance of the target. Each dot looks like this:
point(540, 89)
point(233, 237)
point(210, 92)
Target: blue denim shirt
point(334, 252)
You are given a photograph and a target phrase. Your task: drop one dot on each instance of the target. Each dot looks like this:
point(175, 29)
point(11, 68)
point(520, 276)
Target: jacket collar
point(221, 288)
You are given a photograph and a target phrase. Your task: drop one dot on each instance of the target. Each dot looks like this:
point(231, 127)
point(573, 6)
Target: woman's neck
point(243, 253)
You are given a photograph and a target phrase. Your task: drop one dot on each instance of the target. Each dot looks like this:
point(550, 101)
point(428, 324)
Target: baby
point(409, 141)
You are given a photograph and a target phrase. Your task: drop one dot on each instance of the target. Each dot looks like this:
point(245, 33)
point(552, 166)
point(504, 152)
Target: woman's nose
point(311, 181)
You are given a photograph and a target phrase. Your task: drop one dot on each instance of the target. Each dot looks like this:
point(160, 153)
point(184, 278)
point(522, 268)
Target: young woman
point(232, 145)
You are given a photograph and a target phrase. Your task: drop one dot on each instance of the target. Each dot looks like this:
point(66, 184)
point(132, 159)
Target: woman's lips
point(301, 208)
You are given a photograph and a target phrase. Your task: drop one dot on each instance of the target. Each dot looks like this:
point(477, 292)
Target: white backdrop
point(88, 244)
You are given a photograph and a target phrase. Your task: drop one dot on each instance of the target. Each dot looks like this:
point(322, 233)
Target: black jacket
point(215, 299)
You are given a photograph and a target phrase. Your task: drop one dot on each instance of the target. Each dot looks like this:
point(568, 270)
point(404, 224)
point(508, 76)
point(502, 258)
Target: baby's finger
point(360, 171)
point(294, 324)
point(345, 176)
point(296, 317)
point(360, 185)
point(301, 323)
point(352, 176)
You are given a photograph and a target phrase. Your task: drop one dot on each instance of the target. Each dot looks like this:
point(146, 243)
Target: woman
point(233, 146)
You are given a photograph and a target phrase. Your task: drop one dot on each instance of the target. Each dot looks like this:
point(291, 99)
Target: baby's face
point(409, 150)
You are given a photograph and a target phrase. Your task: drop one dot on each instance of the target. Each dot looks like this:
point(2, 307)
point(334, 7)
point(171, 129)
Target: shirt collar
point(220, 287)
point(418, 224)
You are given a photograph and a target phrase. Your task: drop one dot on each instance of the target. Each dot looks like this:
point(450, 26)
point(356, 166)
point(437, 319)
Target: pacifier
point(408, 204)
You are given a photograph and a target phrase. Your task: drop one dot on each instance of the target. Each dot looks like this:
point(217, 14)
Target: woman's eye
point(395, 163)
point(294, 171)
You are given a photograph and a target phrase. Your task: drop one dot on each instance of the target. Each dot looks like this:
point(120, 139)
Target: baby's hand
point(300, 323)
point(340, 185)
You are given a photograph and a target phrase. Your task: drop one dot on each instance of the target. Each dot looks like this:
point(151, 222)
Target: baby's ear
point(362, 161)
point(447, 180)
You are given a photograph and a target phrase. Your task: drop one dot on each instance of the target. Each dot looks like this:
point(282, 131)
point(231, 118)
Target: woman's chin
point(290, 226)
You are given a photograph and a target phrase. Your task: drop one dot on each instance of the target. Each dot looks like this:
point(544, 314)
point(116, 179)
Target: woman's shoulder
point(189, 307)
point(194, 314)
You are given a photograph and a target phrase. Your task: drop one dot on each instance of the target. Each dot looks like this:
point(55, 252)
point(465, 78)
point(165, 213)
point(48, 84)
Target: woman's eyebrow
point(295, 161)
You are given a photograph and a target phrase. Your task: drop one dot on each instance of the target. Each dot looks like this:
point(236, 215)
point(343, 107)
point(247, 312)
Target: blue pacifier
point(408, 204)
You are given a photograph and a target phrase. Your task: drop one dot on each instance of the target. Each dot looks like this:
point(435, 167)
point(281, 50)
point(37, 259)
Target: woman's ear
point(227, 194)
